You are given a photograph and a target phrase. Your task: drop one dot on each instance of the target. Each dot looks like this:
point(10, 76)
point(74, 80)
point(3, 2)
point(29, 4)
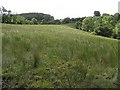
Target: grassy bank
point(57, 56)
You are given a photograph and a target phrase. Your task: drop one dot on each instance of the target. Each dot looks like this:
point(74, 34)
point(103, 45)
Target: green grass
point(57, 56)
point(72, 25)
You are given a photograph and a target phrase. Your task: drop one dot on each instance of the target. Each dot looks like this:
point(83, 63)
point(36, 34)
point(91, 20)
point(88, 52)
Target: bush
point(34, 20)
point(103, 31)
point(87, 24)
point(116, 31)
point(78, 25)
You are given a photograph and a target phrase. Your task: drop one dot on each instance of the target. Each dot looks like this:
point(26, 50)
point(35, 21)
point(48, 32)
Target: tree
point(66, 20)
point(20, 20)
point(103, 25)
point(43, 21)
point(104, 31)
point(9, 12)
point(78, 25)
point(4, 18)
point(97, 13)
point(41, 17)
point(116, 16)
point(34, 20)
point(28, 21)
point(97, 21)
point(3, 9)
point(116, 31)
point(105, 14)
point(87, 24)
point(57, 21)
point(9, 18)
point(108, 21)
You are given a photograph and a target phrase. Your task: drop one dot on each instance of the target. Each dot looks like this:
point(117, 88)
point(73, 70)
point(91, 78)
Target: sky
point(62, 8)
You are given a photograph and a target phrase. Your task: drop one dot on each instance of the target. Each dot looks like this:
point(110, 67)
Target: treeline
point(28, 18)
point(105, 25)
point(68, 20)
point(40, 17)
point(36, 18)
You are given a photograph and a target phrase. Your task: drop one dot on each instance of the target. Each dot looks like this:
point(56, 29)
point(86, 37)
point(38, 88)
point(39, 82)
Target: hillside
point(39, 16)
point(57, 56)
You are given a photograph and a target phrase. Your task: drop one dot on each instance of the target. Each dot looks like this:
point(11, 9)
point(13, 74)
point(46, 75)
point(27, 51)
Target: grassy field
point(57, 56)
point(72, 25)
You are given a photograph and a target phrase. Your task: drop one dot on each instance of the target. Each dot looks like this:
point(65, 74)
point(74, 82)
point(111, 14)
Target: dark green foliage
point(108, 21)
point(116, 31)
point(117, 16)
point(66, 20)
point(34, 21)
point(20, 19)
point(5, 18)
point(87, 24)
point(28, 18)
point(97, 13)
point(41, 17)
point(57, 21)
point(97, 22)
point(3, 9)
point(78, 25)
point(103, 31)
point(105, 25)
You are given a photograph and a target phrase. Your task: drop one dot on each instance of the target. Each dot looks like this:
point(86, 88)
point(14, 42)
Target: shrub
point(87, 24)
point(78, 25)
point(103, 31)
point(116, 31)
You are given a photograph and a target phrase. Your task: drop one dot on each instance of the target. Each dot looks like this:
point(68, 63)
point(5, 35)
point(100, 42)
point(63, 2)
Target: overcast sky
point(62, 8)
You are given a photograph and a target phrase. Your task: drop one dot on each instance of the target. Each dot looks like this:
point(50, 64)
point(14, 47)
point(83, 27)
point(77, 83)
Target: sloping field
point(57, 56)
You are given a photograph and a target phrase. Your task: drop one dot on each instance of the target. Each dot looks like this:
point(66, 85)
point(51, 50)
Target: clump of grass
point(36, 59)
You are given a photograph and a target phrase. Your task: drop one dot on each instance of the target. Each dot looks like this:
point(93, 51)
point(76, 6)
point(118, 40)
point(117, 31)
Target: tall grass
point(57, 56)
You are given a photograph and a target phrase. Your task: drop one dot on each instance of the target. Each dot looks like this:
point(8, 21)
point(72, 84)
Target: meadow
point(57, 56)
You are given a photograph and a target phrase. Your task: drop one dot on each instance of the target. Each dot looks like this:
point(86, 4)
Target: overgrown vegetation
point(56, 56)
point(105, 25)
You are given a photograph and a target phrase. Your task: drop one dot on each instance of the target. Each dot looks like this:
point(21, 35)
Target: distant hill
point(41, 17)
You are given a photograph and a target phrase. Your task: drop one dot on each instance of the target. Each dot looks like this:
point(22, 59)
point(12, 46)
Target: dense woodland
point(105, 25)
